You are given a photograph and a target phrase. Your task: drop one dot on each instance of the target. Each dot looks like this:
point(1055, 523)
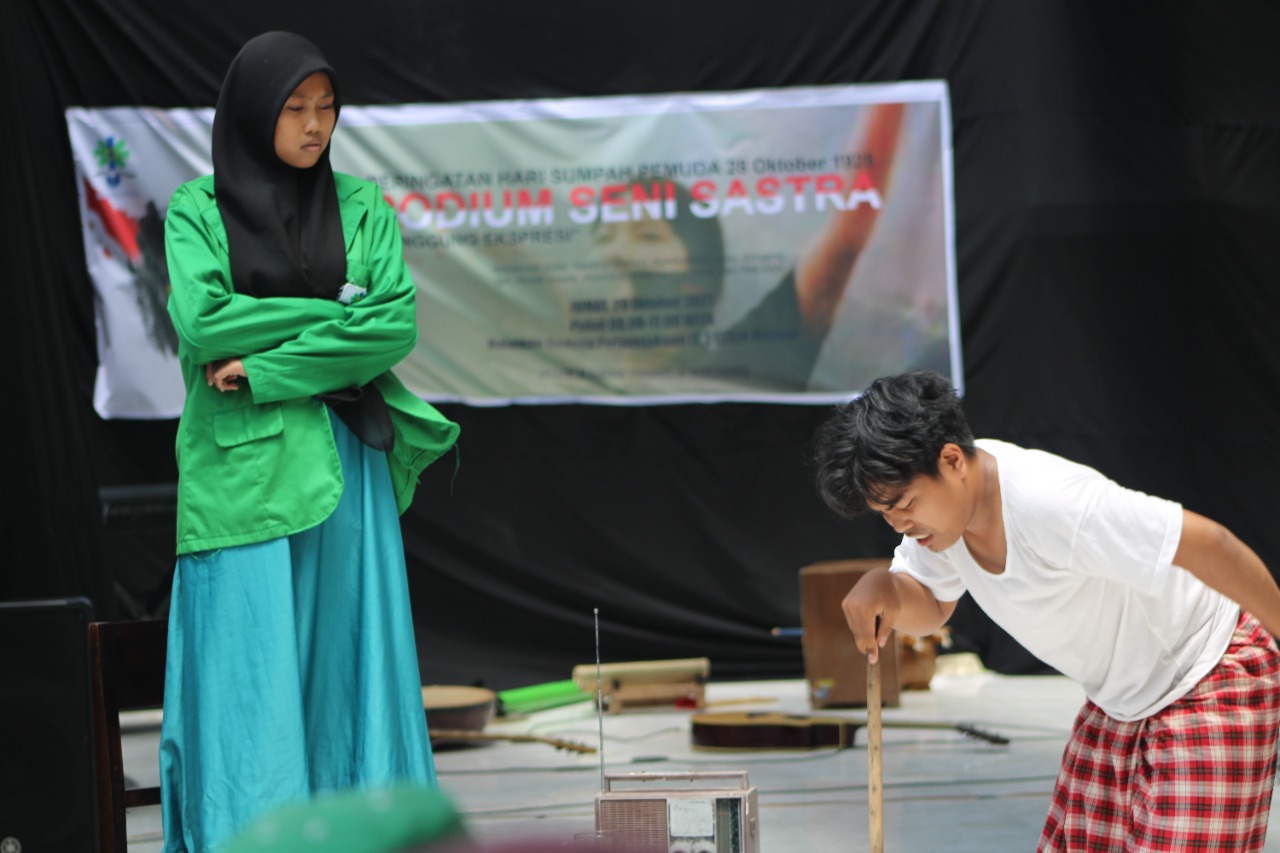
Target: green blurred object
point(383, 821)
point(538, 697)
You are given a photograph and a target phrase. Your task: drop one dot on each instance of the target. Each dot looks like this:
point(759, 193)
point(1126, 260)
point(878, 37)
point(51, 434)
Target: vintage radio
point(711, 812)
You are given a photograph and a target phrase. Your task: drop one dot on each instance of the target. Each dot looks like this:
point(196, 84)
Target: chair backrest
point(47, 784)
point(127, 660)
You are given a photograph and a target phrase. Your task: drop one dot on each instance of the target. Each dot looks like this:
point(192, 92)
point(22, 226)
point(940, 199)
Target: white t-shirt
point(1089, 584)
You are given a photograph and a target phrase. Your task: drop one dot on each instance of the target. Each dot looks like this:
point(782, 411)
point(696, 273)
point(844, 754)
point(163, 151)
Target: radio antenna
point(599, 698)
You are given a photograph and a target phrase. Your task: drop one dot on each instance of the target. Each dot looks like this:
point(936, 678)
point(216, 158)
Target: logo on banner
point(126, 228)
point(113, 156)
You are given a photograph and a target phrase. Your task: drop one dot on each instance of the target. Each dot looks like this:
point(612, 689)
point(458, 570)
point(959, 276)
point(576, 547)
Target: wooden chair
point(127, 661)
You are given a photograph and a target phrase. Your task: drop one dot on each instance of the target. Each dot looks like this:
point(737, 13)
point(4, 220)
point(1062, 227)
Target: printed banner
point(783, 245)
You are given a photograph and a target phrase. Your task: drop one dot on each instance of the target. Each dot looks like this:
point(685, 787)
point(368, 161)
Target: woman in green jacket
point(292, 666)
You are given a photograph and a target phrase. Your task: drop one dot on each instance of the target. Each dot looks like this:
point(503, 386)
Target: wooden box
point(833, 666)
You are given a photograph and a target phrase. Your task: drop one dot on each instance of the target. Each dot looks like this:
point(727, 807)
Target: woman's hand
point(225, 375)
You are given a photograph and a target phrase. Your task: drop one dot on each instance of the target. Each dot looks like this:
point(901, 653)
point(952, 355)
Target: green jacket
point(260, 463)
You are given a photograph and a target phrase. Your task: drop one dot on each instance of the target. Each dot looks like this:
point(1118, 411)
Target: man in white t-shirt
point(1149, 606)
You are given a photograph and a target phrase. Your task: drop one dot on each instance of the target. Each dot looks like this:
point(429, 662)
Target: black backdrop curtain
point(1117, 204)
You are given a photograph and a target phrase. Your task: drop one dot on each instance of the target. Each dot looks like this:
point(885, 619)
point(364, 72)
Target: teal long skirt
point(292, 668)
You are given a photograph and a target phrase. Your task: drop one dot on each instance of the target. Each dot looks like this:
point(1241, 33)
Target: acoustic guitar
point(774, 730)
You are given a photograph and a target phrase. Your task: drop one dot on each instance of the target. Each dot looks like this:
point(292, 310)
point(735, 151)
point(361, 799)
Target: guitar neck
point(463, 734)
point(963, 728)
point(770, 730)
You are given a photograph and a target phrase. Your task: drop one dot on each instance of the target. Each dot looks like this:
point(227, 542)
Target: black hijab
point(284, 231)
point(284, 228)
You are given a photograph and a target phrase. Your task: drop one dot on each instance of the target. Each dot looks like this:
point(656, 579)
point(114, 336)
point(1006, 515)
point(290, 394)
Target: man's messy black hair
point(872, 447)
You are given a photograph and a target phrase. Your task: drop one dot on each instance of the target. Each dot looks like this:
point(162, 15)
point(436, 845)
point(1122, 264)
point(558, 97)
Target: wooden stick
point(875, 770)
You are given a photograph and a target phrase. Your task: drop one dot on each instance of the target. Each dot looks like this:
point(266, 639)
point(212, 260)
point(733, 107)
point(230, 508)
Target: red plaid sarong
point(1196, 775)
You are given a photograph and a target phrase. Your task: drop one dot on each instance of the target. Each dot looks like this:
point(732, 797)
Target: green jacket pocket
point(249, 423)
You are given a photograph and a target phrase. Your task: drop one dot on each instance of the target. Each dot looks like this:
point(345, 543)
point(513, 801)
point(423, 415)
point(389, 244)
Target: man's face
point(933, 511)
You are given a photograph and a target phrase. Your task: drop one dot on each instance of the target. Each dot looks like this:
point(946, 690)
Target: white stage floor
point(942, 790)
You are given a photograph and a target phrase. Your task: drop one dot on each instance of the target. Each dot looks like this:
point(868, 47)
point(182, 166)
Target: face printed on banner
point(644, 245)
point(663, 251)
point(306, 122)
